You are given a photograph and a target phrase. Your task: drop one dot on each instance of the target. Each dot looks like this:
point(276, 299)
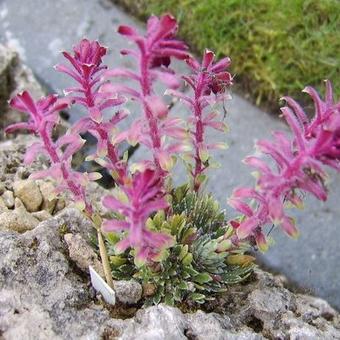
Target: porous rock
point(49, 199)
point(8, 198)
point(29, 193)
point(14, 77)
point(18, 220)
point(39, 287)
point(128, 291)
point(11, 160)
point(3, 206)
point(82, 253)
point(42, 215)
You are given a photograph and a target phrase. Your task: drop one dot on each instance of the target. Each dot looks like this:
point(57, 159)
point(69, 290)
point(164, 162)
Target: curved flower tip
point(246, 228)
point(157, 106)
point(288, 225)
point(261, 242)
point(89, 52)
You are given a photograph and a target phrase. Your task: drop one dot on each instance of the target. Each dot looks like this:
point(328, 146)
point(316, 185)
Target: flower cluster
point(209, 83)
point(150, 214)
point(144, 196)
point(153, 56)
point(87, 70)
point(299, 167)
point(44, 116)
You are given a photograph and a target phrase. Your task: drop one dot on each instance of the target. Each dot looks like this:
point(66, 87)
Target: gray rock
point(82, 253)
point(203, 326)
point(49, 198)
point(157, 323)
point(38, 287)
point(42, 215)
point(18, 220)
point(3, 207)
point(14, 77)
point(8, 61)
point(29, 193)
point(128, 292)
point(8, 198)
point(11, 160)
point(2, 188)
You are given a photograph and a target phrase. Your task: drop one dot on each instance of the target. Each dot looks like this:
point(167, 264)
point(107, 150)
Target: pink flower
point(209, 83)
point(87, 71)
point(153, 55)
point(43, 118)
point(146, 196)
point(299, 167)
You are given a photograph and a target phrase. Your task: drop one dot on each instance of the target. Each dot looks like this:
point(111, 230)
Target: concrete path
point(39, 29)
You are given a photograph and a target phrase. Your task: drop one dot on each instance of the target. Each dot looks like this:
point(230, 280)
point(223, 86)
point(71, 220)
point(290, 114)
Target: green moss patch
point(277, 46)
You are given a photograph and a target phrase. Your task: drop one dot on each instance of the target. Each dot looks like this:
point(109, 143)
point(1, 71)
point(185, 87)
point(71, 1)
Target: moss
point(277, 47)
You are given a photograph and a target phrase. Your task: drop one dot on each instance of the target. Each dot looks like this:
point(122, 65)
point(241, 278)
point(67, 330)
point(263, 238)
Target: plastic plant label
point(102, 287)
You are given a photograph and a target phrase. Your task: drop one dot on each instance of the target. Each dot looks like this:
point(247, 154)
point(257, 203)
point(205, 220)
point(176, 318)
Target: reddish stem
point(75, 189)
point(199, 131)
point(112, 153)
point(152, 121)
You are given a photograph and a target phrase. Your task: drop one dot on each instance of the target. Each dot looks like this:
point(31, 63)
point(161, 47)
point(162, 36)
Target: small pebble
point(128, 292)
point(8, 198)
point(82, 253)
point(2, 188)
point(3, 207)
point(29, 193)
point(42, 215)
point(49, 198)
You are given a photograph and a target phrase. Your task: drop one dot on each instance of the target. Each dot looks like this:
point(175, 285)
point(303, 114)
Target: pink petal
point(121, 72)
point(208, 58)
point(114, 225)
point(246, 227)
point(242, 207)
point(288, 225)
point(33, 151)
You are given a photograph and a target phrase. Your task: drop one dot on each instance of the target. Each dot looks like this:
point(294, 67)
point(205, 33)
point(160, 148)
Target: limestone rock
point(2, 188)
point(41, 297)
point(29, 193)
point(14, 77)
point(82, 253)
point(49, 200)
point(42, 215)
point(8, 60)
point(3, 207)
point(157, 323)
point(11, 160)
point(128, 292)
point(8, 198)
point(17, 220)
point(60, 205)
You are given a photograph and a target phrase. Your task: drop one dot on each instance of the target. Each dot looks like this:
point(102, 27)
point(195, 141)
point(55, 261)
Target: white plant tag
point(102, 287)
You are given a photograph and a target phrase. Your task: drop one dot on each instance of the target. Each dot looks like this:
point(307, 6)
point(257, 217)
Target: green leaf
point(184, 252)
point(183, 285)
point(169, 299)
point(187, 259)
point(197, 297)
point(202, 278)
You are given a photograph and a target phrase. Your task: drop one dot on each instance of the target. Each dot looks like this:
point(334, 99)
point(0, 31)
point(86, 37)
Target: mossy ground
point(277, 46)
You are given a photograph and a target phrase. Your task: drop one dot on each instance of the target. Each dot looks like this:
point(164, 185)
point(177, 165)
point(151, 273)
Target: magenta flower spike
point(87, 70)
point(145, 196)
point(209, 82)
point(299, 167)
point(153, 56)
point(43, 117)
